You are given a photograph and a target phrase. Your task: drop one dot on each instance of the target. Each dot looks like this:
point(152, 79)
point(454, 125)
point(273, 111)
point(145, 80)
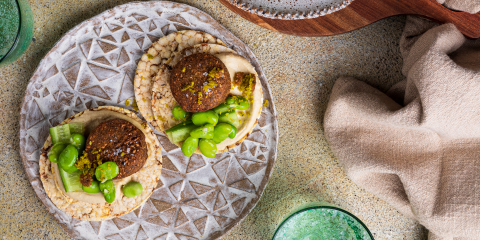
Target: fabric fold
point(418, 145)
point(471, 6)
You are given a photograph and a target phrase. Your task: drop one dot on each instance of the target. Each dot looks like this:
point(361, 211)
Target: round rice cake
point(158, 54)
point(163, 100)
point(93, 207)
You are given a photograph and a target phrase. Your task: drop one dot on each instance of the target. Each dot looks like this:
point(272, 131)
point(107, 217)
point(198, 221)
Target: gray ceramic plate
point(291, 9)
point(94, 65)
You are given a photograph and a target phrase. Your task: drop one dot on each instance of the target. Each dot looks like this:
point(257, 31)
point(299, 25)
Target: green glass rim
point(18, 32)
point(327, 207)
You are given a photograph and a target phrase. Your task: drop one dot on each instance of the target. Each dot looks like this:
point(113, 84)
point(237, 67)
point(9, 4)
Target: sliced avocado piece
point(71, 181)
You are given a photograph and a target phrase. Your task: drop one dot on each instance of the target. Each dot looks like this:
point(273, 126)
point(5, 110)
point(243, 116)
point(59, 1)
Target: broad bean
point(202, 132)
point(233, 133)
point(78, 140)
point(208, 147)
point(55, 151)
point(189, 146)
point(108, 190)
point(106, 171)
point(179, 113)
point(67, 159)
point(132, 189)
point(202, 118)
point(223, 107)
point(221, 132)
point(93, 188)
point(237, 102)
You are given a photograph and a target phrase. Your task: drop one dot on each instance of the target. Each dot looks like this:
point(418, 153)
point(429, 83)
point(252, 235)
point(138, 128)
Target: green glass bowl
point(16, 29)
point(321, 220)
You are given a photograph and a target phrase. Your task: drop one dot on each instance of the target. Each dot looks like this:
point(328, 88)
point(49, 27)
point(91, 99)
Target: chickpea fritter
point(200, 82)
point(118, 141)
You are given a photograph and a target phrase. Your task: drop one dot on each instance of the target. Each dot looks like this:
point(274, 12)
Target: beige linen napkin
point(471, 6)
point(418, 146)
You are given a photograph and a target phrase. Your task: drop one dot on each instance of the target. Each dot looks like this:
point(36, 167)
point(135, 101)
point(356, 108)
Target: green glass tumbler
point(16, 29)
point(321, 221)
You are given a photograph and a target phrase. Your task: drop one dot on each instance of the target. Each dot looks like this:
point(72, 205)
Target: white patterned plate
point(291, 9)
point(94, 65)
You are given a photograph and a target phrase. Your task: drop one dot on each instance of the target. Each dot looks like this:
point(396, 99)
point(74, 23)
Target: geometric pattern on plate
point(291, 9)
point(94, 65)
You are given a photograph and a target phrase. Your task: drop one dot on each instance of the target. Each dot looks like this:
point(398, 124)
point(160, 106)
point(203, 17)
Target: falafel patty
point(118, 141)
point(200, 82)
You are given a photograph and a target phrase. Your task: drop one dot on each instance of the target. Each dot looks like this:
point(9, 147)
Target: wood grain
point(361, 13)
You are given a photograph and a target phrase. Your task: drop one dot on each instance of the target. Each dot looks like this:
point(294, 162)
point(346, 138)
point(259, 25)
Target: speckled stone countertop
point(301, 72)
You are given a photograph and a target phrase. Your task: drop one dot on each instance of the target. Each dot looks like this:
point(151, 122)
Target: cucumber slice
point(180, 125)
point(169, 136)
point(180, 132)
point(223, 107)
point(183, 133)
point(60, 134)
point(229, 117)
point(71, 181)
point(77, 127)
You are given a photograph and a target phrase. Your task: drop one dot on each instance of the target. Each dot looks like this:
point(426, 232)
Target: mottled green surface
point(301, 72)
point(321, 224)
point(8, 25)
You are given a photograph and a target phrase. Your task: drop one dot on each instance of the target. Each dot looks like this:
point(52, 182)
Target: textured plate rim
point(295, 15)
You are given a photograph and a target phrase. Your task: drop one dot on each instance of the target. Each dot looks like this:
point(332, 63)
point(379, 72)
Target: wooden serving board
point(361, 13)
